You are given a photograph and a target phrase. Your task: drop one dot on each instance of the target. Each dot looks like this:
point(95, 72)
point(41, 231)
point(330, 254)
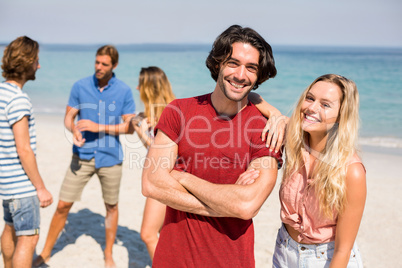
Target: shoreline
point(380, 144)
point(82, 242)
point(381, 150)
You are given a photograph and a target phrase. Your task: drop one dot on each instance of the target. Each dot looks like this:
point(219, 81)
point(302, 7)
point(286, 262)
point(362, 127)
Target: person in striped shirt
point(21, 186)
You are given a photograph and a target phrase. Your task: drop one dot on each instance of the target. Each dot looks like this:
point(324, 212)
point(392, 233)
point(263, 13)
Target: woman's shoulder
point(355, 168)
point(354, 159)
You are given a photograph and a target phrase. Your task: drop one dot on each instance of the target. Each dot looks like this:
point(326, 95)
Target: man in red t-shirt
point(207, 150)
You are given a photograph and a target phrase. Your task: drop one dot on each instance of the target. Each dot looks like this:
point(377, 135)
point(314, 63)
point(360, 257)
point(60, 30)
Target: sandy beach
point(81, 243)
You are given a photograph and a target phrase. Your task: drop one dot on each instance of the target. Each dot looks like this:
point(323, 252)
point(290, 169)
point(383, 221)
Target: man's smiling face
point(238, 75)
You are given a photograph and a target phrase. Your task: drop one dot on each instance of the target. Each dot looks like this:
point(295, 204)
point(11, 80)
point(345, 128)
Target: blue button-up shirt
point(104, 108)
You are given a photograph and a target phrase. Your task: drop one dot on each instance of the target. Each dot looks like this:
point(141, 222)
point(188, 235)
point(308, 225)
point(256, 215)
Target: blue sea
point(376, 71)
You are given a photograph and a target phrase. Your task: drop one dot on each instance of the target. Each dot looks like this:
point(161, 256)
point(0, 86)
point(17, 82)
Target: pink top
point(300, 207)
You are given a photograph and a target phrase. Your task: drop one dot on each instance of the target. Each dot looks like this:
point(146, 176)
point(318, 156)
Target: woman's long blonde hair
point(155, 92)
point(330, 172)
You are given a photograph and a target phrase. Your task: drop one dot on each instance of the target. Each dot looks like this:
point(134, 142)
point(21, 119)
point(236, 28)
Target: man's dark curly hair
point(222, 50)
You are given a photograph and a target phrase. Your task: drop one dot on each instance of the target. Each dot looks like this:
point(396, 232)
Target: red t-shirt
point(218, 150)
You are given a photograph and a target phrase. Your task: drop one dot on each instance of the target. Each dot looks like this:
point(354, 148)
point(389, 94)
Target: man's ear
point(114, 66)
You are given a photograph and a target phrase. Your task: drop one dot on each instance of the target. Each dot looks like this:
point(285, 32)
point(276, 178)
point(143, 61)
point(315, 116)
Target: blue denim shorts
point(23, 214)
point(289, 253)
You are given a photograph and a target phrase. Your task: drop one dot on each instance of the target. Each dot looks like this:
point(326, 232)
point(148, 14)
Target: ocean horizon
point(377, 72)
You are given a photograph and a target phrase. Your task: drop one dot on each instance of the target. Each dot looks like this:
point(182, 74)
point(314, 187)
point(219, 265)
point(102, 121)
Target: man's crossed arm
point(186, 192)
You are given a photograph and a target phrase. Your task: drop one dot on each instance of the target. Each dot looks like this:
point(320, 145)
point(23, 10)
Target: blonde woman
point(323, 189)
point(155, 93)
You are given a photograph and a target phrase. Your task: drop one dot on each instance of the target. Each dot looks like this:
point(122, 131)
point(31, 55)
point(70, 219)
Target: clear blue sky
point(281, 22)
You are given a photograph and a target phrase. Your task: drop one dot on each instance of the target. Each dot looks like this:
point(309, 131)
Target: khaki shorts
point(81, 171)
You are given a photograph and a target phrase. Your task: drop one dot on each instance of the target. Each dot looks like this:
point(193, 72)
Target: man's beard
point(226, 90)
point(31, 75)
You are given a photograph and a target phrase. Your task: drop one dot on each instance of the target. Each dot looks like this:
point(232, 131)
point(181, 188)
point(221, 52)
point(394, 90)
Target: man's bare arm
point(123, 128)
point(234, 200)
point(69, 118)
point(28, 160)
point(87, 125)
point(275, 129)
point(158, 184)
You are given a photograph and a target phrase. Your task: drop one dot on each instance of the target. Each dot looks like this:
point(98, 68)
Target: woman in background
point(323, 189)
point(155, 93)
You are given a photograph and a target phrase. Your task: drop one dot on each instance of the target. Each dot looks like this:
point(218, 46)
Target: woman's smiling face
point(320, 108)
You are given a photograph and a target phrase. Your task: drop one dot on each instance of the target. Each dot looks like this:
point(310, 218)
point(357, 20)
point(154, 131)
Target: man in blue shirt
point(99, 102)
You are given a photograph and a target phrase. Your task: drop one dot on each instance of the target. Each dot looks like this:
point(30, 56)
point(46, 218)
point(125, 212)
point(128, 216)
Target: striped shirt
point(14, 105)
